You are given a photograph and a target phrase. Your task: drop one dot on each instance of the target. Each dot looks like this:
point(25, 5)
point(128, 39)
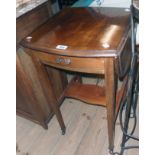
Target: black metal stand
point(129, 104)
point(129, 108)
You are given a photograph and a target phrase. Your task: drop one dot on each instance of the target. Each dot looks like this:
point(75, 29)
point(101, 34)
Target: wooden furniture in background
point(32, 101)
point(87, 40)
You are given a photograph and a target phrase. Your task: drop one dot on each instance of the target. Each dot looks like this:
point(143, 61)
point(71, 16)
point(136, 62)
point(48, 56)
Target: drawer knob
point(67, 61)
point(58, 60)
point(62, 60)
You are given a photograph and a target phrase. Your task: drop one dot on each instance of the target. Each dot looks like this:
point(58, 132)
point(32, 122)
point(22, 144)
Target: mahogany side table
point(87, 40)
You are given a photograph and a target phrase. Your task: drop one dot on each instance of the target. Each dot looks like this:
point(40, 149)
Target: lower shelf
point(91, 94)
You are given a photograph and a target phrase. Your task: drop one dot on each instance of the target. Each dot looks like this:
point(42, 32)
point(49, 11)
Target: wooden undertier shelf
point(91, 94)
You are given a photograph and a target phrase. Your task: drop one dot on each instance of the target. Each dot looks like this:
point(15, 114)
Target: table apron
point(77, 64)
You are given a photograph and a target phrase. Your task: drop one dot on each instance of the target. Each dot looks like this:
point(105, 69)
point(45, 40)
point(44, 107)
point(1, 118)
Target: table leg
point(111, 87)
point(46, 85)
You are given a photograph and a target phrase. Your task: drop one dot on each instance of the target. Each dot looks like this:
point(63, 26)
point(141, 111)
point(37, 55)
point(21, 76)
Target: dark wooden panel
point(32, 76)
point(26, 23)
point(22, 94)
point(32, 101)
point(124, 58)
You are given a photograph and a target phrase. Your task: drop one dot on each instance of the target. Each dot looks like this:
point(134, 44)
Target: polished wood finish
point(32, 101)
point(84, 31)
point(95, 40)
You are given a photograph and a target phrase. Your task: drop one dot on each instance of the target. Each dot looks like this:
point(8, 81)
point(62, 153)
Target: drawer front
point(79, 64)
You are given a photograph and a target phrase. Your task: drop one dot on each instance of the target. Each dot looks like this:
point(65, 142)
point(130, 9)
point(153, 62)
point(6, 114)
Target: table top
point(82, 32)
